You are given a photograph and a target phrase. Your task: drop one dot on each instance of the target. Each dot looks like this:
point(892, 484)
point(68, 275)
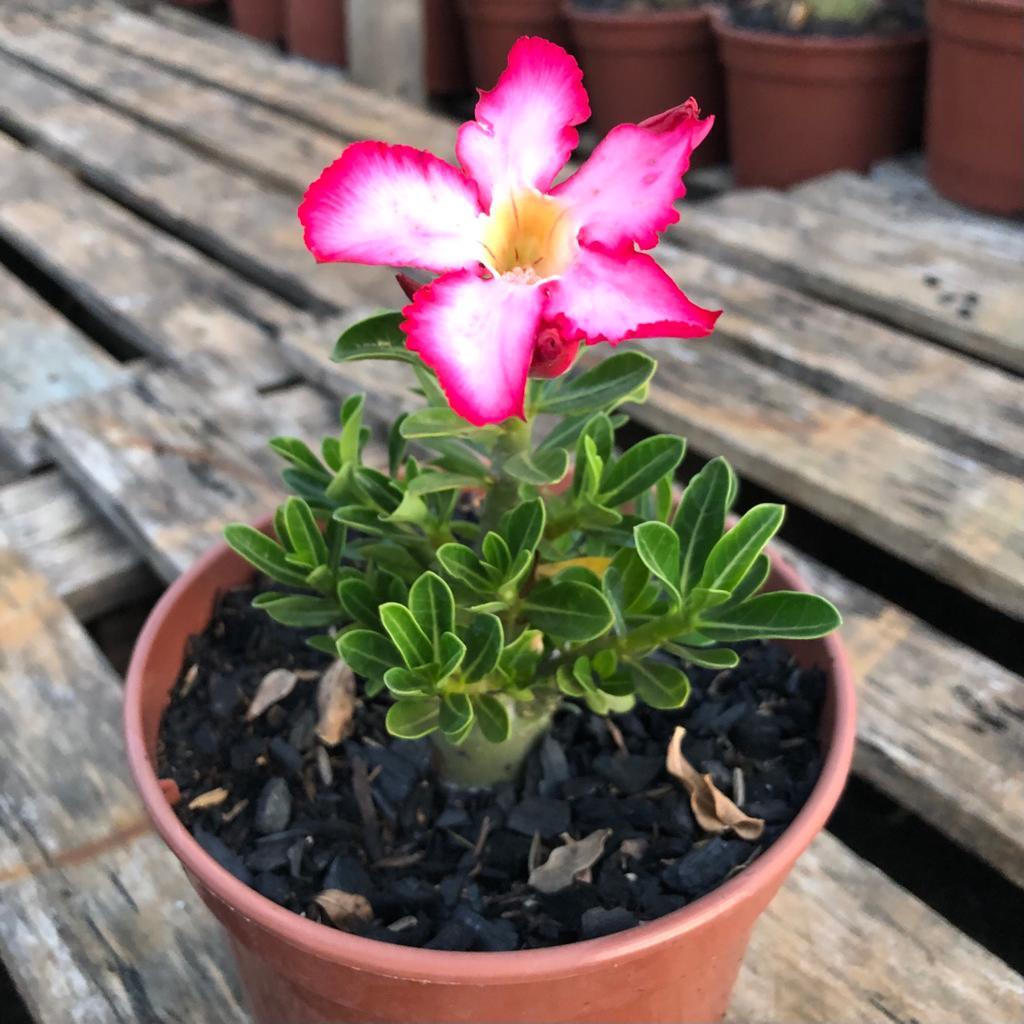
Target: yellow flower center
point(528, 235)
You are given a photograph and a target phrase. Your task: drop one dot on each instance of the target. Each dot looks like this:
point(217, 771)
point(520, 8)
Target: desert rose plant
point(493, 569)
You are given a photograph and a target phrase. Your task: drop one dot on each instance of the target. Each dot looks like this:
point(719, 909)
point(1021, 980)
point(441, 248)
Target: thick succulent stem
point(515, 439)
point(478, 762)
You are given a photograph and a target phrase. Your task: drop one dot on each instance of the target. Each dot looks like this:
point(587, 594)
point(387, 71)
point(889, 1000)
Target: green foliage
point(484, 572)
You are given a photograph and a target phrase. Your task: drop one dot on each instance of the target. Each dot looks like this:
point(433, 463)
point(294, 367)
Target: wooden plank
point(151, 289)
point(43, 358)
point(97, 925)
point(88, 564)
point(940, 727)
point(100, 925)
point(951, 516)
point(963, 405)
point(232, 217)
point(170, 461)
point(387, 47)
point(909, 205)
point(884, 273)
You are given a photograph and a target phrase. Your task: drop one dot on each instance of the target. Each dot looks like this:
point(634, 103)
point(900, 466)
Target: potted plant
point(317, 29)
point(492, 26)
point(639, 56)
point(975, 118)
point(498, 732)
point(818, 85)
point(261, 19)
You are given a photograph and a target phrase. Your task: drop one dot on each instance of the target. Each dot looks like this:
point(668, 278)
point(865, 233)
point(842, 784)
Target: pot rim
point(458, 967)
point(770, 39)
point(633, 17)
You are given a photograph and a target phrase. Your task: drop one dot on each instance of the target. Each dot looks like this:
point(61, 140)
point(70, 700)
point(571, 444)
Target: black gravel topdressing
point(448, 870)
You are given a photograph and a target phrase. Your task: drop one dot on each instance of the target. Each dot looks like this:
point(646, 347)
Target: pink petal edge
point(392, 205)
point(626, 191)
point(478, 335)
point(524, 130)
point(616, 296)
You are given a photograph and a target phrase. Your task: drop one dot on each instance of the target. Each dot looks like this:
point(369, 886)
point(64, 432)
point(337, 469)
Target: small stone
point(705, 866)
point(757, 736)
point(274, 887)
point(273, 808)
point(598, 921)
point(631, 773)
point(774, 811)
point(224, 696)
point(223, 855)
point(286, 755)
point(205, 739)
point(581, 786)
point(494, 935)
point(269, 855)
point(455, 936)
point(396, 777)
point(348, 874)
point(539, 814)
point(553, 764)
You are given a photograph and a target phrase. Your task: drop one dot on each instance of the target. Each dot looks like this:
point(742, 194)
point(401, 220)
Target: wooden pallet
point(150, 167)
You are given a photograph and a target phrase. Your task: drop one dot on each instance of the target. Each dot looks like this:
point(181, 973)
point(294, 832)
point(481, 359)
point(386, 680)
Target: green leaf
point(719, 658)
point(304, 536)
point(545, 466)
point(492, 717)
point(565, 432)
point(735, 553)
point(518, 569)
point(599, 429)
point(377, 337)
point(751, 583)
point(396, 445)
point(522, 654)
point(368, 653)
point(604, 386)
point(379, 488)
point(456, 715)
point(605, 663)
point(411, 719)
point(433, 482)
point(496, 552)
point(700, 519)
point(658, 546)
point(407, 635)
point(523, 526)
point(640, 468)
point(451, 651)
point(349, 443)
point(436, 422)
point(778, 615)
point(411, 509)
point(659, 685)
point(625, 579)
point(462, 564)
point(433, 607)
point(299, 610)
point(701, 598)
point(568, 610)
point(324, 644)
point(299, 454)
point(264, 553)
point(484, 639)
point(358, 601)
point(403, 682)
point(365, 520)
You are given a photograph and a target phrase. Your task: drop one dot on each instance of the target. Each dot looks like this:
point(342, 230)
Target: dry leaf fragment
point(211, 798)
point(335, 703)
point(274, 687)
point(345, 910)
point(566, 862)
point(714, 811)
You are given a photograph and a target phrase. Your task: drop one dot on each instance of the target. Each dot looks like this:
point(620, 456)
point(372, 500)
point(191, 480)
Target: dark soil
point(448, 869)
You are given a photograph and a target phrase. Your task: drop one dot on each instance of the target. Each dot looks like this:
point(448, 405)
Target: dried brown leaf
point(274, 687)
point(211, 798)
point(714, 811)
point(345, 910)
point(335, 703)
point(566, 862)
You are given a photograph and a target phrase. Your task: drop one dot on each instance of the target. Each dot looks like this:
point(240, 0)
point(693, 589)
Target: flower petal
point(523, 133)
point(613, 296)
point(478, 335)
point(392, 205)
point(626, 191)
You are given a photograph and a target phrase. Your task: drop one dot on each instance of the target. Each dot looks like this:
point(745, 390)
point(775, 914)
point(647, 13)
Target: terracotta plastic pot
point(317, 29)
point(492, 26)
point(637, 64)
point(800, 106)
point(679, 968)
point(262, 19)
point(975, 127)
point(447, 71)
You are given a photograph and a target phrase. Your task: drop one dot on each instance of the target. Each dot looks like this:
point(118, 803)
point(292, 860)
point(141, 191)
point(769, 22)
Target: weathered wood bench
point(150, 166)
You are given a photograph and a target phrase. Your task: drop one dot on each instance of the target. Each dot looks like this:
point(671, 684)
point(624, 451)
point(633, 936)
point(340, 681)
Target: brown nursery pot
point(800, 106)
point(679, 968)
point(317, 29)
point(975, 123)
point(637, 64)
point(492, 26)
point(262, 19)
point(447, 71)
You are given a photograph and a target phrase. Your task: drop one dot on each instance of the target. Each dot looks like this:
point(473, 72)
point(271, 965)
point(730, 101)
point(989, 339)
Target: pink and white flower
point(528, 269)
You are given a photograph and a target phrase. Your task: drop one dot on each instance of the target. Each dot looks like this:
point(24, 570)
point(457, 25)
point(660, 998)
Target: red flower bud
point(553, 353)
point(408, 285)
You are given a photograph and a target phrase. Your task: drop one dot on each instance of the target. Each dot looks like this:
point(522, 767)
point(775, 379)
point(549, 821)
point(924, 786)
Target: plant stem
point(515, 439)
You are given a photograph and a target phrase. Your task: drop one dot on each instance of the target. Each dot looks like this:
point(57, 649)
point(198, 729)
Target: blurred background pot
point(637, 63)
point(975, 129)
point(262, 19)
point(447, 72)
point(801, 106)
point(317, 29)
point(492, 26)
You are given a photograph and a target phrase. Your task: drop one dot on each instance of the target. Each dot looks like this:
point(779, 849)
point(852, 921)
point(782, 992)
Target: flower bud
point(553, 353)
